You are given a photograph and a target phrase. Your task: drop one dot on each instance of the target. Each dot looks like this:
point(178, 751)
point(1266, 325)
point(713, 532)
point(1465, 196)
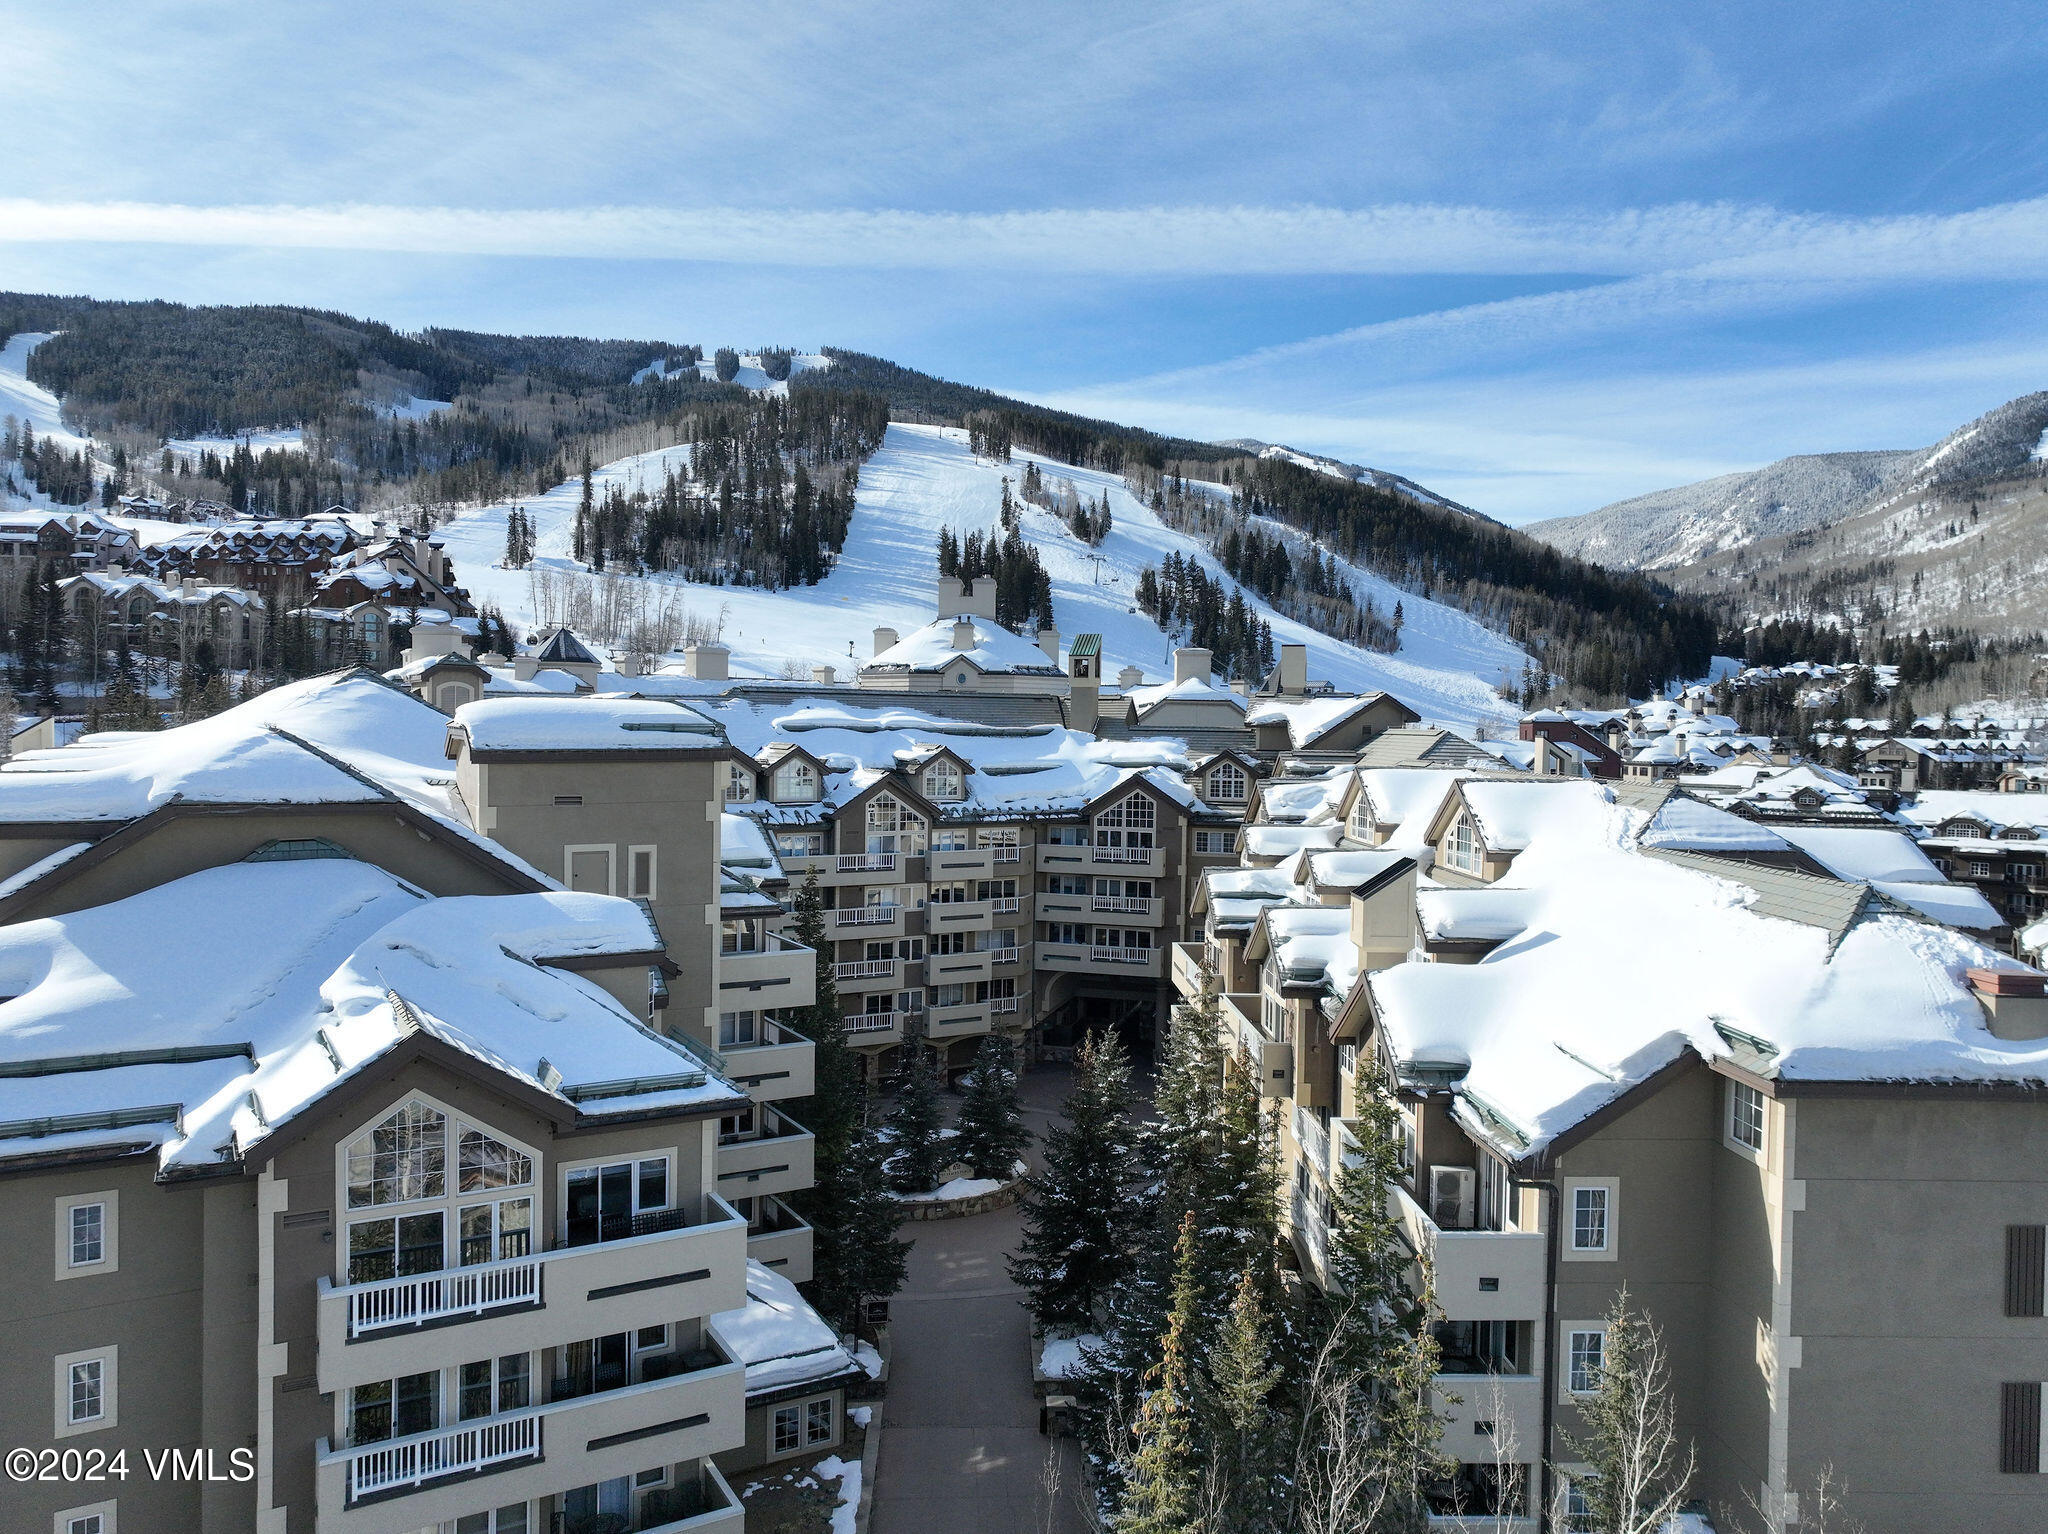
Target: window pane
point(88, 1234)
point(1589, 1219)
point(372, 1251)
point(87, 1404)
point(515, 1228)
point(416, 1404)
point(474, 1391)
point(370, 1412)
point(491, 1163)
point(474, 1246)
point(515, 1373)
point(817, 1421)
point(654, 1184)
point(419, 1244)
point(787, 1431)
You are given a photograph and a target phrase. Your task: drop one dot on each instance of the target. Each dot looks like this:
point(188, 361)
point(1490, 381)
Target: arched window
point(483, 1161)
point(796, 783)
point(403, 1159)
point(942, 783)
point(1461, 846)
point(1227, 782)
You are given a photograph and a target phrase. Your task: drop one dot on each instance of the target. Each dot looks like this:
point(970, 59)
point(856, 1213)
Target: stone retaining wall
point(954, 1208)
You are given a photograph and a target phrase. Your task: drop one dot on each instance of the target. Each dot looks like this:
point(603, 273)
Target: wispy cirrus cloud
point(1704, 243)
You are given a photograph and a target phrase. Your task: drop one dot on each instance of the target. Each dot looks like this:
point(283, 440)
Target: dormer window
point(1461, 846)
point(739, 784)
point(796, 783)
point(1227, 783)
point(942, 782)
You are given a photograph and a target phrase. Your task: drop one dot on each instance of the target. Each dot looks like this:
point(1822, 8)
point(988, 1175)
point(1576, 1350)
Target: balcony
point(1123, 905)
point(779, 1158)
point(1005, 1005)
point(777, 1063)
point(648, 1269)
point(865, 863)
point(1272, 1058)
point(1124, 963)
point(1311, 1236)
point(1143, 860)
point(782, 1241)
point(866, 974)
point(831, 876)
point(958, 968)
point(958, 915)
point(1060, 858)
point(873, 1030)
point(869, 921)
point(1511, 1260)
point(1187, 970)
point(957, 1022)
point(1055, 907)
point(786, 971)
point(960, 863)
point(538, 1451)
point(1513, 1403)
point(1313, 1141)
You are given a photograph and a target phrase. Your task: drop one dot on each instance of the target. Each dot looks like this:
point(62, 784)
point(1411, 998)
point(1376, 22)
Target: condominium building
point(1789, 1114)
point(378, 1086)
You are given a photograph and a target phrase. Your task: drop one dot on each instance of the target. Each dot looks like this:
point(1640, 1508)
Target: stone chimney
point(1049, 642)
point(432, 639)
point(949, 596)
point(627, 664)
point(706, 662)
point(524, 667)
point(884, 639)
point(1293, 670)
point(824, 676)
point(980, 599)
point(1190, 665)
point(1130, 677)
point(963, 634)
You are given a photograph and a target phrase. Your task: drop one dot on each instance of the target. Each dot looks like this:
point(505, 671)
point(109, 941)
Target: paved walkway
point(961, 1451)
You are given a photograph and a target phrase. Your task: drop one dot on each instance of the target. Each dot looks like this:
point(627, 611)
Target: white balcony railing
point(873, 1022)
point(1121, 955)
point(1009, 854)
point(1001, 905)
point(866, 862)
point(1122, 854)
point(864, 969)
point(1003, 1004)
point(1000, 955)
point(866, 915)
point(1136, 905)
point(451, 1292)
point(471, 1447)
point(1314, 1141)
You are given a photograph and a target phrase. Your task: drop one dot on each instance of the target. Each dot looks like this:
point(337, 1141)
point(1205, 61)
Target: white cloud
point(1705, 242)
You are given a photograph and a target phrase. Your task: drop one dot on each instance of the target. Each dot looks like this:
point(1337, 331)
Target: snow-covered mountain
point(1358, 473)
point(1669, 529)
point(924, 478)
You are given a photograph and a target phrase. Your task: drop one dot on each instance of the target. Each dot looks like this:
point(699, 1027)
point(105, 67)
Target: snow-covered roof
point(286, 978)
point(1310, 719)
point(596, 723)
point(1870, 853)
point(1236, 896)
point(1685, 822)
point(776, 1334)
point(342, 738)
point(1513, 814)
point(1550, 1025)
point(1934, 807)
point(1407, 798)
point(1194, 689)
point(1312, 945)
point(1349, 870)
point(1279, 841)
point(995, 649)
point(1294, 800)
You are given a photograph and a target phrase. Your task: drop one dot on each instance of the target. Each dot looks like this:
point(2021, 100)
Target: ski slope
point(924, 478)
point(31, 402)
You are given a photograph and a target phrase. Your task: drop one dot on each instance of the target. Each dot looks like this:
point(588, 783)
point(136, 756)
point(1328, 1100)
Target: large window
point(892, 828)
point(401, 1160)
point(404, 1160)
point(943, 783)
point(395, 1408)
point(1129, 823)
point(795, 783)
point(613, 1201)
point(1746, 1117)
point(1227, 783)
point(808, 1425)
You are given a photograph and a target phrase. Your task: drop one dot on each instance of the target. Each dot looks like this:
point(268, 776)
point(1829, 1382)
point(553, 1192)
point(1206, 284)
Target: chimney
point(1130, 677)
point(2015, 1001)
point(980, 600)
point(949, 596)
point(824, 676)
point(1293, 670)
point(627, 664)
point(1084, 688)
point(1190, 665)
point(884, 639)
point(524, 667)
point(963, 634)
point(1049, 641)
point(706, 662)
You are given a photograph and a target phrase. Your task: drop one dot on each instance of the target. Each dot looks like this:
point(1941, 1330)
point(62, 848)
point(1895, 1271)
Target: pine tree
point(1162, 1493)
point(918, 1149)
point(855, 1255)
point(1078, 1219)
point(1246, 1434)
point(992, 1135)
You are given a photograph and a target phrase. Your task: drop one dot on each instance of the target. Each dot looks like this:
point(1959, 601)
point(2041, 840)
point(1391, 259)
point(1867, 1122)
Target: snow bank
point(847, 1473)
point(1060, 1357)
point(778, 1336)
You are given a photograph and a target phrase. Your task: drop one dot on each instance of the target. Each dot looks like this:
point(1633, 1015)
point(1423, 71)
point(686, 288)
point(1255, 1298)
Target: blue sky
point(1537, 255)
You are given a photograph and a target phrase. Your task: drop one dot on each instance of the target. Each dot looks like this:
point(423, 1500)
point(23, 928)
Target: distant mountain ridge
point(1688, 524)
point(1357, 473)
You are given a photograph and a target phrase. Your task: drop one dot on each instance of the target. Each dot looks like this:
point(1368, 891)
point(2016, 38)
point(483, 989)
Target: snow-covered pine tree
point(1078, 1216)
point(915, 1124)
point(1162, 1489)
point(991, 1128)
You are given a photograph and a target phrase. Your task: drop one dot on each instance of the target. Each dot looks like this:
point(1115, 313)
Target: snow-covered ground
point(31, 402)
point(924, 478)
point(281, 439)
point(750, 376)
